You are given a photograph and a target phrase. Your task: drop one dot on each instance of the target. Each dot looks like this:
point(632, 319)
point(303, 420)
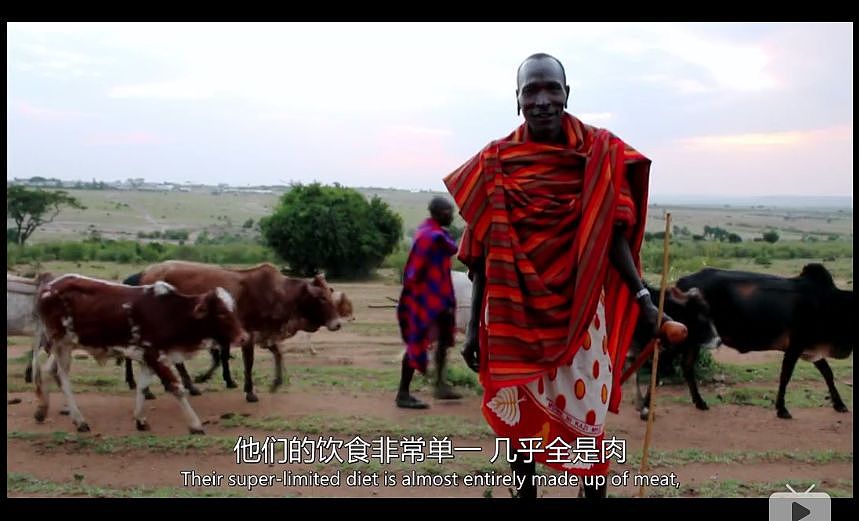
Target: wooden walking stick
point(654, 366)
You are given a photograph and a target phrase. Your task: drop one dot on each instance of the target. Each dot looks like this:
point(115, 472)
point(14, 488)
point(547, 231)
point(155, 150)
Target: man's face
point(542, 95)
point(444, 216)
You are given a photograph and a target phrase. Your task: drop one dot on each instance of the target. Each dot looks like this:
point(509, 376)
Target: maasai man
point(427, 305)
point(555, 218)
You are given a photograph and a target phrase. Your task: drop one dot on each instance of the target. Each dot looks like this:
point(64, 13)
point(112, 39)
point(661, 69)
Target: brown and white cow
point(154, 324)
point(271, 307)
point(345, 310)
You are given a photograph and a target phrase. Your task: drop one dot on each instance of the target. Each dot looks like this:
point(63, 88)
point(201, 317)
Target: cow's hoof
point(275, 386)
point(194, 391)
point(251, 397)
point(195, 430)
point(784, 415)
point(645, 411)
point(148, 394)
point(83, 427)
point(231, 384)
point(41, 414)
point(702, 406)
point(142, 425)
point(201, 379)
point(841, 408)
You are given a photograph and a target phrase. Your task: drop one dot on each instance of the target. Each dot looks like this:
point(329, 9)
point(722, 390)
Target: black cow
point(690, 309)
point(805, 316)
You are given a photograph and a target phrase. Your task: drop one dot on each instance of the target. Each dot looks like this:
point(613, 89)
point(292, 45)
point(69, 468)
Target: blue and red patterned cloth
point(427, 292)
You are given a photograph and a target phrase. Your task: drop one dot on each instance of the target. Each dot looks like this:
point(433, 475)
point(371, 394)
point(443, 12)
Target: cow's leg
point(129, 379)
point(225, 365)
point(528, 471)
point(645, 405)
point(248, 359)
point(39, 340)
point(216, 361)
point(186, 380)
point(64, 359)
point(278, 365)
point(129, 373)
point(42, 394)
point(64, 410)
point(146, 377)
point(28, 371)
point(787, 365)
point(690, 358)
point(50, 367)
point(823, 366)
point(639, 398)
point(174, 387)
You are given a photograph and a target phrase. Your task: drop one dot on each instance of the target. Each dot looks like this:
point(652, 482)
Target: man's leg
point(445, 341)
point(404, 398)
point(528, 471)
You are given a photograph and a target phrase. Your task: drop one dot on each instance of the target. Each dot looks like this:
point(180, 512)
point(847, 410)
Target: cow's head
point(341, 301)
point(817, 273)
point(343, 305)
point(691, 309)
point(217, 310)
point(317, 306)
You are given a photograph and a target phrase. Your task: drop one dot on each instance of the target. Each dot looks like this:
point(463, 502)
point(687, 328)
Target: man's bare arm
point(621, 257)
point(471, 350)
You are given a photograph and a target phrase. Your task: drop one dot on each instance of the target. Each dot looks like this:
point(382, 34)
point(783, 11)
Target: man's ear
point(518, 108)
point(566, 88)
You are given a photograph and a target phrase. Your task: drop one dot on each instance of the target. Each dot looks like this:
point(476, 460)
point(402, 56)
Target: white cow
point(21, 319)
point(462, 291)
point(20, 300)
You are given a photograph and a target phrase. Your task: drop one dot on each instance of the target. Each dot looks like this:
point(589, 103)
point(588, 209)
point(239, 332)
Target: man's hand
point(471, 353)
point(649, 316)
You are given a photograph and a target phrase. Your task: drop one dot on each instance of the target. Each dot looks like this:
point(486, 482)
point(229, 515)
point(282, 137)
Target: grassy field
point(806, 235)
point(737, 449)
point(127, 212)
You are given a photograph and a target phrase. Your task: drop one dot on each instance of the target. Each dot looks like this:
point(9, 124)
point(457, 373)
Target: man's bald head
point(541, 96)
point(539, 56)
point(441, 209)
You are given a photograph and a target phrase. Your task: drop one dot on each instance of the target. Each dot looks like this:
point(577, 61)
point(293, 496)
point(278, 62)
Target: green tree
point(333, 229)
point(30, 209)
point(771, 236)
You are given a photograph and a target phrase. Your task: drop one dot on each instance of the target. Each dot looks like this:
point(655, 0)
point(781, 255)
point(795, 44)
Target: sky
point(722, 109)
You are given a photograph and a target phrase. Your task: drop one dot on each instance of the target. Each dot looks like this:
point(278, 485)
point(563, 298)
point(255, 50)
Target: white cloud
point(767, 140)
point(728, 66)
point(30, 110)
point(595, 117)
point(58, 63)
point(182, 89)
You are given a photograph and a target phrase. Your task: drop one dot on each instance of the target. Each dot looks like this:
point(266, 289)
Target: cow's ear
point(679, 295)
point(201, 307)
point(304, 292)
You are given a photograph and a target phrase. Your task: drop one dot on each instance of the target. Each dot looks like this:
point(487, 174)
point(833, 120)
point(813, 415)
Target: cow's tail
point(133, 280)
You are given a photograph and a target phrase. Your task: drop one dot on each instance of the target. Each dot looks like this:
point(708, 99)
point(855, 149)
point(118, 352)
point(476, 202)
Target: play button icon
point(800, 506)
point(798, 511)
